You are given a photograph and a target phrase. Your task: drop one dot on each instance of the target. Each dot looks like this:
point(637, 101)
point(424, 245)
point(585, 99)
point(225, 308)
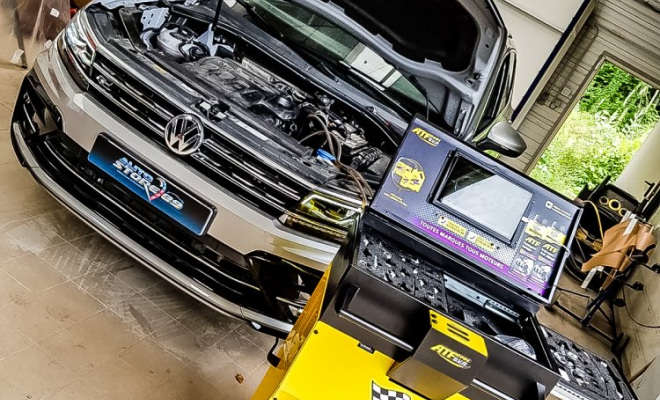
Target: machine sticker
point(454, 358)
point(452, 226)
point(549, 252)
point(408, 175)
point(541, 273)
point(543, 232)
point(520, 270)
point(379, 393)
point(430, 139)
point(481, 241)
point(530, 246)
point(533, 228)
point(458, 244)
point(523, 267)
point(537, 254)
point(555, 236)
point(396, 198)
point(552, 206)
point(459, 333)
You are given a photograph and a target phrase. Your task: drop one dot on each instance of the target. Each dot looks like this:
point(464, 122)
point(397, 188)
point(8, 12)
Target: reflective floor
point(81, 321)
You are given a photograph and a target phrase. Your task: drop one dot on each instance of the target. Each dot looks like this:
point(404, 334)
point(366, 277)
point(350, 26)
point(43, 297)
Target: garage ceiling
point(537, 26)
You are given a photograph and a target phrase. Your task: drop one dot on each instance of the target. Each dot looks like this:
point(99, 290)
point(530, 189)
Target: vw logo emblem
point(184, 134)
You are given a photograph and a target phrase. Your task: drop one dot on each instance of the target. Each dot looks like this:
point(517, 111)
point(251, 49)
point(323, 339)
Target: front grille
point(232, 168)
point(258, 281)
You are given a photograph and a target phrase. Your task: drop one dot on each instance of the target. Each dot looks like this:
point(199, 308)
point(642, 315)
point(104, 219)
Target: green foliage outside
point(602, 133)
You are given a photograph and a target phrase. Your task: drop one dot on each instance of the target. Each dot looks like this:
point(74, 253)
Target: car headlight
point(77, 45)
point(324, 217)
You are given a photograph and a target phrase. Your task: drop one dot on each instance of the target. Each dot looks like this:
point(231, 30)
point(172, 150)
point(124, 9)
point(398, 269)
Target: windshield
point(344, 54)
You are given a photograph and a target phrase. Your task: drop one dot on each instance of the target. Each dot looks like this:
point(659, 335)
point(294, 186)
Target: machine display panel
point(485, 198)
point(479, 209)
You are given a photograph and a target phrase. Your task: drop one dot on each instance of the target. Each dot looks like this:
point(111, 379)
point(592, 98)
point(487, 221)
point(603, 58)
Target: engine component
point(354, 143)
point(379, 167)
point(154, 18)
point(208, 39)
point(312, 120)
point(170, 41)
point(366, 158)
point(323, 101)
point(271, 100)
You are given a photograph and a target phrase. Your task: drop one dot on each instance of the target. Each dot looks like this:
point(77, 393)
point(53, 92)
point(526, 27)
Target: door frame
point(584, 85)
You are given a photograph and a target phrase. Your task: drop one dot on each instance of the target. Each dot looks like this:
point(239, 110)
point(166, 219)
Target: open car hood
point(451, 47)
point(443, 32)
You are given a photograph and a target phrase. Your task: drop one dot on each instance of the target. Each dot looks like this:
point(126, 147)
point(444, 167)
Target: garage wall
point(644, 306)
point(644, 345)
point(624, 32)
point(537, 27)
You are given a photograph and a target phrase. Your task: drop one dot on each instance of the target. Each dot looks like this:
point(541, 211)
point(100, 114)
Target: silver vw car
point(231, 147)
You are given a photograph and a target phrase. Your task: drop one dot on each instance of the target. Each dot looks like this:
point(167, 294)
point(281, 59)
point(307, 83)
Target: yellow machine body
point(319, 362)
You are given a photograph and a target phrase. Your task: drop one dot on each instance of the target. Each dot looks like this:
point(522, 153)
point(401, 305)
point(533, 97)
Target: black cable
point(579, 245)
point(625, 301)
point(572, 273)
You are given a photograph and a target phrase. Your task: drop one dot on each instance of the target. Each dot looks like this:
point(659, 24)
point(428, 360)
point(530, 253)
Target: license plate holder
point(151, 186)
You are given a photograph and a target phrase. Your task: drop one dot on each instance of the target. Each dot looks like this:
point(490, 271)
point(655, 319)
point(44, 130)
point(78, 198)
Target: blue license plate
point(151, 186)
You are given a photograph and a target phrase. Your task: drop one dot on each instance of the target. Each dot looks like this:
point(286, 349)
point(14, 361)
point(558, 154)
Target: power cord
point(600, 224)
point(625, 301)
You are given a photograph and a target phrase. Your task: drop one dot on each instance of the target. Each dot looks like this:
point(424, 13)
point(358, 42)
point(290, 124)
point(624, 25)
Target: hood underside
point(437, 30)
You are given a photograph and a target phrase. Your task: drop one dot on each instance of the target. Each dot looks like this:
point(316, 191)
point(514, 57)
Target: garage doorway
point(608, 125)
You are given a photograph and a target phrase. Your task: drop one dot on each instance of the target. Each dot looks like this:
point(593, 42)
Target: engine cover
point(265, 96)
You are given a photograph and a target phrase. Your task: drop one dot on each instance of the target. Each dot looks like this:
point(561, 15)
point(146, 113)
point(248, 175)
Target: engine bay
point(327, 129)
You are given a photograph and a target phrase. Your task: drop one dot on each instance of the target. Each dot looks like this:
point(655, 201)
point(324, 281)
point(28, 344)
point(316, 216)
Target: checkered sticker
point(378, 393)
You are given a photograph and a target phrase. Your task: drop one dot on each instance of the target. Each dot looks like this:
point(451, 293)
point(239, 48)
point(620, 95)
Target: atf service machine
point(436, 296)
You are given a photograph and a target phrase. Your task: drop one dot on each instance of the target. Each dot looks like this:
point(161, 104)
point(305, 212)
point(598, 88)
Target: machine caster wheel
point(620, 344)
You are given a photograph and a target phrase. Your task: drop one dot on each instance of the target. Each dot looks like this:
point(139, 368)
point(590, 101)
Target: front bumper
point(246, 265)
point(132, 247)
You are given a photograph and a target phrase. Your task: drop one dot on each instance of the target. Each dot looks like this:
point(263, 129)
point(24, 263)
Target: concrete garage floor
point(79, 320)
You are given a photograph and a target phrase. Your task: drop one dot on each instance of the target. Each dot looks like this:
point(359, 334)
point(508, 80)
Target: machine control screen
point(476, 207)
point(485, 198)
